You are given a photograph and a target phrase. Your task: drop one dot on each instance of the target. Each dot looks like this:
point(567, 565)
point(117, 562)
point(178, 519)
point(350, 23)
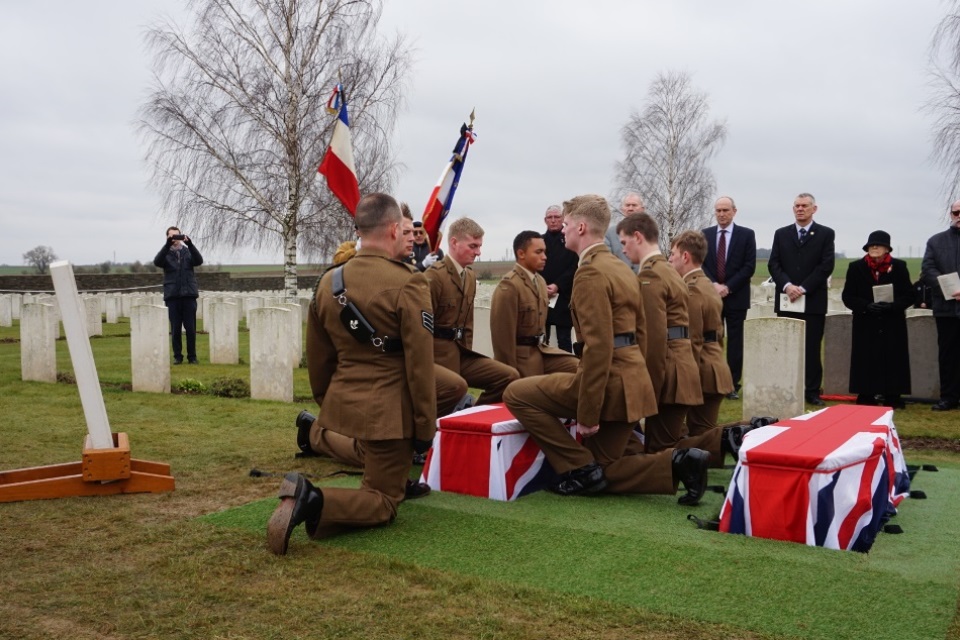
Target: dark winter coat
point(559, 270)
point(942, 256)
point(879, 355)
point(179, 280)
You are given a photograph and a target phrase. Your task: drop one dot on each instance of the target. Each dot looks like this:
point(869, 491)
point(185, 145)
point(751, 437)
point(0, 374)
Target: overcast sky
point(820, 96)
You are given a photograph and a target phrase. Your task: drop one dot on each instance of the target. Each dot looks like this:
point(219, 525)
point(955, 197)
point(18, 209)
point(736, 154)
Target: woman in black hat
point(879, 356)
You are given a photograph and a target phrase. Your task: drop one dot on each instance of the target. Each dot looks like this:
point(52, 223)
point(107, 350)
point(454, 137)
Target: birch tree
point(667, 147)
point(944, 103)
point(236, 122)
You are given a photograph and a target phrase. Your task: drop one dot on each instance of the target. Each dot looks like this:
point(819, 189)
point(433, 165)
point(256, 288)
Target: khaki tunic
point(673, 370)
point(610, 383)
point(706, 308)
point(519, 310)
point(453, 309)
point(611, 388)
point(365, 393)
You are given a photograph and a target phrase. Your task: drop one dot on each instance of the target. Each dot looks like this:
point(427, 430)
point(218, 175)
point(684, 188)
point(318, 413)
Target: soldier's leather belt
point(392, 345)
point(529, 341)
point(620, 340)
point(709, 336)
point(677, 333)
point(448, 333)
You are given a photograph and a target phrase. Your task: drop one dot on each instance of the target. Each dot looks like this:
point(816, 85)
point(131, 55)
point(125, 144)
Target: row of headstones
point(269, 326)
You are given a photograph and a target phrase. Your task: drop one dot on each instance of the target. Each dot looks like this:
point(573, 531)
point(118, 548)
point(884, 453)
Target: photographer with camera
point(177, 258)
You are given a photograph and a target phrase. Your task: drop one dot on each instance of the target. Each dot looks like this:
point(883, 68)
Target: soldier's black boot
point(300, 502)
point(587, 479)
point(304, 421)
point(690, 470)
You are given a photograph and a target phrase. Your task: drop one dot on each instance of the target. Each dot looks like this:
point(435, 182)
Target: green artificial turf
point(641, 551)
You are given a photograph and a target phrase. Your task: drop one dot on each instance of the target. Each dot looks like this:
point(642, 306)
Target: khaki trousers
point(538, 411)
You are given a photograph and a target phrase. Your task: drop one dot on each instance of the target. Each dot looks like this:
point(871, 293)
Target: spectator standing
point(178, 258)
point(941, 257)
point(558, 274)
point(879, 355)
point(730, 264)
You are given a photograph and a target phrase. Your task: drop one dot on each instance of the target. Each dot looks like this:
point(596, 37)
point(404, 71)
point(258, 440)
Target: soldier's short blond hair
point(591, 209)
point(694, 243)
point(464, 227)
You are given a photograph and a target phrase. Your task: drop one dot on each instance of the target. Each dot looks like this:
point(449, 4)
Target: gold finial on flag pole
point(473, 116)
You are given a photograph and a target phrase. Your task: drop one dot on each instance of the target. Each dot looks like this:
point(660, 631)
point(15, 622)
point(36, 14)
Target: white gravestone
point(773, 361)
point(84, 368)
point(93, 317)
point(38, 346)
point(296, 332)
point(271, 372)
point(924, 356)
point(149, 350)
point(837, 338)
point(111, 306)
point(17, 299)
point(6, 311)
point(223, 339)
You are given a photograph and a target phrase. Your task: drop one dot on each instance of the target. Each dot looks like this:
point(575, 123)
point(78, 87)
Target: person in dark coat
point(178, 258)
point(558, 273)
point(879, 356)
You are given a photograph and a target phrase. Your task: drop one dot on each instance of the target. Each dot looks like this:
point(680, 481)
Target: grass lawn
point(193, 563)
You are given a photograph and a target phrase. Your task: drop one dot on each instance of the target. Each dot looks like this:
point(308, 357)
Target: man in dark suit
point(731, 278)
point(558, 273)
point(801, 260)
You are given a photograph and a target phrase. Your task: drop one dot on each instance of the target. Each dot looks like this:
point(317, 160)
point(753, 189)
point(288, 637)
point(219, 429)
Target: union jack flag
point(830, 478)
point(484, 451)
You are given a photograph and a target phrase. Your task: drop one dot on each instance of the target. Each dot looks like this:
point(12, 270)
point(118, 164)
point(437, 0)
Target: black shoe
point(814, 399)
point(733, 395)
point(690, 469)
point(416, 490)
point(732, 438)
point(193, 361)
point(586, 479)
point(945, 405)
point(178, 361)
point(304, 421)
point(300, 502)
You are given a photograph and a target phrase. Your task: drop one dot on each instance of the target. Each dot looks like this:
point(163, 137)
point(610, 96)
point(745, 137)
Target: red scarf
point(879, 265)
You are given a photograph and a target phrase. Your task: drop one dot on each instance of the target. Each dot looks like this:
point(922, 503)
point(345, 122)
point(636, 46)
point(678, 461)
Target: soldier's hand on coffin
point(586, 431)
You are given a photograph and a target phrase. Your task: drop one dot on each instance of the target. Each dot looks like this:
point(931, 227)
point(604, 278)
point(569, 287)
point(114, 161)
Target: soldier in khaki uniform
point(371, 387)
point(669, 355)
point(706, 334)
point(518, 314)
point(453, 286)
point(611, 389)
point(313, 439)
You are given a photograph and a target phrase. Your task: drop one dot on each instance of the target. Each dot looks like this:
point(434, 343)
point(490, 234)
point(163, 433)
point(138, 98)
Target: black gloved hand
point(876, 307)
point(422, 446)
point(169, 241)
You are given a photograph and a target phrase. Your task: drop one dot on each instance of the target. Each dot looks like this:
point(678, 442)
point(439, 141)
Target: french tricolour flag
point(337, 165)
point(830, 478)
point(441, 198)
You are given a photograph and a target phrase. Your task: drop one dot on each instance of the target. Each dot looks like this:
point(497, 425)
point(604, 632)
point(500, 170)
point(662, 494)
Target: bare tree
point(236, 124)
point(39, 257)
point(667, 147)
point(944, 104)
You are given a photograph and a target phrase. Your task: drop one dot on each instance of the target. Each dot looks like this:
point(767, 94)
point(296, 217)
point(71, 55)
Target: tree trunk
point(290, 264)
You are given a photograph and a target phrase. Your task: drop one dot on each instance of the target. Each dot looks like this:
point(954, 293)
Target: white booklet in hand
point(552, 302)
point(949, 284)
point(883, 293)
point(797, 306)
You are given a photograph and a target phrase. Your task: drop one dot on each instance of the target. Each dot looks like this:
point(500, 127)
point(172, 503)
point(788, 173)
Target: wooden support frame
point(100, 472)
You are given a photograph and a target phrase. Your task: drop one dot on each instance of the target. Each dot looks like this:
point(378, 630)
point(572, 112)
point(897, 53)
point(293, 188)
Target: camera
point(178, 236)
